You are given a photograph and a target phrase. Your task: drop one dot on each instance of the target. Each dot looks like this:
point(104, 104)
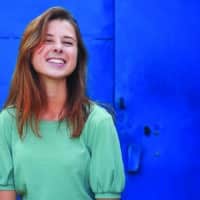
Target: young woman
point(54, 142)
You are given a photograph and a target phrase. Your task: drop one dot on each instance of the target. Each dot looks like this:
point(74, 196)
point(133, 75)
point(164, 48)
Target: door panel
point(157, 70)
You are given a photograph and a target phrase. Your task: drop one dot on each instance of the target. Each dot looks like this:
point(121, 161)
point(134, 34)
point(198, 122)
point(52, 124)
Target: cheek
point(35, 61)
point(75, 59)
point(72, 55)
point(75, 55)
point(36, 57)
point(42, 50)
point(39, 49)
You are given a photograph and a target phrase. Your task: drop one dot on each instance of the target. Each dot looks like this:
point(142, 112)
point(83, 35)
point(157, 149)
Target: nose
point(58, 47)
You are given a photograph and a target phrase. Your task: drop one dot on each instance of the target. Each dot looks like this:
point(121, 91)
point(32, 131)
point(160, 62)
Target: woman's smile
point(56, 62)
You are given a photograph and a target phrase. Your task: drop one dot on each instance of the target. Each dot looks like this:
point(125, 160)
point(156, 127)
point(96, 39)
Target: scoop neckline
point(44, 122)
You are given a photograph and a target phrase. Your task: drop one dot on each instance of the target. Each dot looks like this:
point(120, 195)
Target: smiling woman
point(57, 55)
point(53, 138)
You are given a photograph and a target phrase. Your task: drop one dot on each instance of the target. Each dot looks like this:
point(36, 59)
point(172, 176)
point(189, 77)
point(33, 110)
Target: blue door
point(143, 59)
point(157, 96)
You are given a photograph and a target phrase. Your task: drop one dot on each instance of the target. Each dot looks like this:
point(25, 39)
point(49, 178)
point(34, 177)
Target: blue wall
point(157, 80)
point(96, 23)
point(143, 59)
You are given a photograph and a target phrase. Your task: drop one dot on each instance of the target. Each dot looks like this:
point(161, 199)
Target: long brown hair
point(27, 94)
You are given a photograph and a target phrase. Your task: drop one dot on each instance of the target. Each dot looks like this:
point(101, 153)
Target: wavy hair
point(27, 94)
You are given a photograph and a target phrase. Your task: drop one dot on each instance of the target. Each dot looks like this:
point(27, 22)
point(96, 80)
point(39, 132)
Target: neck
point(56, 98)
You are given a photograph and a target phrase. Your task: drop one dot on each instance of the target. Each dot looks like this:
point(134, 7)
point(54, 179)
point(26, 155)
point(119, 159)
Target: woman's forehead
point(60, 27)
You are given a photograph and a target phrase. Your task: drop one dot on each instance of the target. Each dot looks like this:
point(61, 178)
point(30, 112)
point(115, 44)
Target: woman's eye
point(48, 40)
point(68, 43)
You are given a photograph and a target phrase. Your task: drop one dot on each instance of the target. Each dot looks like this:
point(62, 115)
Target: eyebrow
point(66, 36)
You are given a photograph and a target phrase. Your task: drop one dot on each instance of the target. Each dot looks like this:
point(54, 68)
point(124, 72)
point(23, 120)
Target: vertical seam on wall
point(114, 55)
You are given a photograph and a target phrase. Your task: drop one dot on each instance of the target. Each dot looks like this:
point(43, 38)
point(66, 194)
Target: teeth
point(56, 60)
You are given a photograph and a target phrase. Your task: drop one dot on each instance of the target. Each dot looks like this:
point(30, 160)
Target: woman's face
point(56, 57)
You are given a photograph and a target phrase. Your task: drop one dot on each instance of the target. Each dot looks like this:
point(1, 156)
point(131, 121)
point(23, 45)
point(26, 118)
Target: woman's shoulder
point(98, 125)
point(8, 113)
point(99, 112)
point(7, 122)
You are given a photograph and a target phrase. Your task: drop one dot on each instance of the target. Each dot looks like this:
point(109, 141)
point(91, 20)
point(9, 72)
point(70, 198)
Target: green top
point(57, 166)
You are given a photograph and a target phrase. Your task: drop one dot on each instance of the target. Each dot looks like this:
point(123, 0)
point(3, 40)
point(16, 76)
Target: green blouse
point(57, 166)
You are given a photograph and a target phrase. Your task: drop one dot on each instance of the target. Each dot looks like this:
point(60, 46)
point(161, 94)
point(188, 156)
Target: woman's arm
point(107, 182)
point(8, 195)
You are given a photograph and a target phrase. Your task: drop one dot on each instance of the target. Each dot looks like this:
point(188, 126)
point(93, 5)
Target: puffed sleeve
point(106, 169)
point(6, 164)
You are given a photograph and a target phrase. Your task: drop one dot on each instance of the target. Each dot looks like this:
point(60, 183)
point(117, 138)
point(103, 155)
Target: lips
point(56, 60)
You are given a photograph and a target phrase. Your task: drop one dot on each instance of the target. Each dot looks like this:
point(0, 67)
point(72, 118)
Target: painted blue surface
point(96, 25)
point(157, 76)
point(144, 60)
